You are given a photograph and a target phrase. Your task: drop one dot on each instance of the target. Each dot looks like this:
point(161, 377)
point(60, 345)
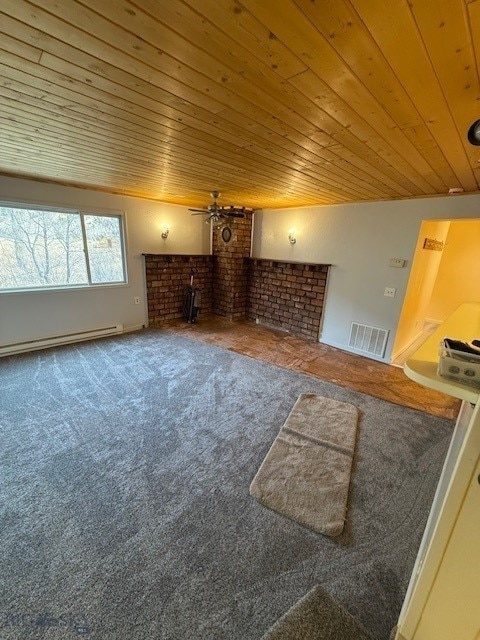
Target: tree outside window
point(48, 249)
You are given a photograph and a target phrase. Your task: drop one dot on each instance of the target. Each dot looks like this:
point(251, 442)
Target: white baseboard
point(407, 346)
point(135, 327)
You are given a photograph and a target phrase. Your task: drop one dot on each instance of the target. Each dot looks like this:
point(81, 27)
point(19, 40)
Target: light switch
point(397, 262)
point(390, 292)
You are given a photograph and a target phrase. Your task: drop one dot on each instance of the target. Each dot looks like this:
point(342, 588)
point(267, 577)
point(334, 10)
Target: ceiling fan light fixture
point(473, 134)
point(218, 214)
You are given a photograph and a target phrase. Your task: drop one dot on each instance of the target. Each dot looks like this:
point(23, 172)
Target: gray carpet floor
point(317, 616)
point(125, 511)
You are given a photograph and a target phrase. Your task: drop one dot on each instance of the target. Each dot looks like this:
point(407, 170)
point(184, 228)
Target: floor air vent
point(368, 339)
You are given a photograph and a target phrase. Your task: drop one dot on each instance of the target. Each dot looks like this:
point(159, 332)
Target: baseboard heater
point(52, 341)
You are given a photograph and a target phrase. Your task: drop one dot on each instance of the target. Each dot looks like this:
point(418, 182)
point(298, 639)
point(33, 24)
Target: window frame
point(81, 212)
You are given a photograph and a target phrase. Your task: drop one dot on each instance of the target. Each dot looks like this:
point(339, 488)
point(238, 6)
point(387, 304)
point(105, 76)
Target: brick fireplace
point(167, 278)
point(230, 269)
point(287, 295)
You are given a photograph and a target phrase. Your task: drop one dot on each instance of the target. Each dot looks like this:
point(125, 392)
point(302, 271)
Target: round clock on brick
point(226, 234)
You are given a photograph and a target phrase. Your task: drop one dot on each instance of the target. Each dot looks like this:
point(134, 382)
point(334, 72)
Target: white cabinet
point(443, 598)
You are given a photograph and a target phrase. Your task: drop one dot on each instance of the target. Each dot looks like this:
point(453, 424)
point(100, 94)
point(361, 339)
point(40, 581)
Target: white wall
point(358, 240)
point(29, 315)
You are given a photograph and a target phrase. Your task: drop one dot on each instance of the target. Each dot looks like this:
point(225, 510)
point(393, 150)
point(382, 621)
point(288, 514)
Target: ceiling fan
point(218, 213)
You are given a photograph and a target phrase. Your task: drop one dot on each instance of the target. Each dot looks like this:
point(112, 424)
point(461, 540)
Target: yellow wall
point(424, 271)
point(458, 278)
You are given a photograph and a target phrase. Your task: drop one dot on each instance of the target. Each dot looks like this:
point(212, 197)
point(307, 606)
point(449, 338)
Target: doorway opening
point(445, 273)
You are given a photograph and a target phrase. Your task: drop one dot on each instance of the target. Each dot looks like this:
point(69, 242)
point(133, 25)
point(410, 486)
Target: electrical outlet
point(390, 292)
point(397, 262)
point(136, 300)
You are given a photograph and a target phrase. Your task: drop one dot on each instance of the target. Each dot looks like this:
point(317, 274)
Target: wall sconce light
point(291, 236)
point(165, 232)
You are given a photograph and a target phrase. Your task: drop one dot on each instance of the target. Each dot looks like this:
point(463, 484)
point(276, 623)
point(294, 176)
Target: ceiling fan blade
point(216, 211)
point(235, 209)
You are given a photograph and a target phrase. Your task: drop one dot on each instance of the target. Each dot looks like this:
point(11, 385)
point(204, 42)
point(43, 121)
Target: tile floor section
point(328, 363)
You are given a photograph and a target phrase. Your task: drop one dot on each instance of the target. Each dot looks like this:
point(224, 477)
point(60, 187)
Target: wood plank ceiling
point(272, 102)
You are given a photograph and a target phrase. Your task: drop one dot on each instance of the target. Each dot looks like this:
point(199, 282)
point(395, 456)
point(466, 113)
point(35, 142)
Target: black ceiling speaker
point(474, 133)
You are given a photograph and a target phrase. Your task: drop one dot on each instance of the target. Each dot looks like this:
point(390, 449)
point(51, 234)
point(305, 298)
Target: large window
point(50, 249)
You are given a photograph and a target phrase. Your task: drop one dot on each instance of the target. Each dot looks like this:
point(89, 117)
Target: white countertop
point(463, 324)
